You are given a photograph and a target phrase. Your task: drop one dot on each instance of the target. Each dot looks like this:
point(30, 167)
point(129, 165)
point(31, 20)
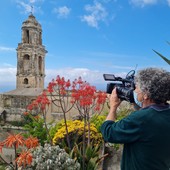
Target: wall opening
point(25, 81)
point(27, 36)
point(26, 64)
point(40, 65)
point(26, 57)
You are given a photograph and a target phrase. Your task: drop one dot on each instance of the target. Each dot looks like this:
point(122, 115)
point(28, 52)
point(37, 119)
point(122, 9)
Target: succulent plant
point(50, 158)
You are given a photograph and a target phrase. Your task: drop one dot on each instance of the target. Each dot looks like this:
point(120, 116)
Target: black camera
point(124, 86)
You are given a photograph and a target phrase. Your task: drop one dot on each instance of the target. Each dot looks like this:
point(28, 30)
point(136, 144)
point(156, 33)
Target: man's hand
point(114, 100)
point(114, 103)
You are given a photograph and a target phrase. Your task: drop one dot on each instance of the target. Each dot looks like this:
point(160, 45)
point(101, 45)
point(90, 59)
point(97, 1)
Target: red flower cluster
point(81, 93)
point(59, 84)
point(16, 140)
point(31, 142)
point(86, 95)
point(101, 99)
point(24, 159)
point(41, 102)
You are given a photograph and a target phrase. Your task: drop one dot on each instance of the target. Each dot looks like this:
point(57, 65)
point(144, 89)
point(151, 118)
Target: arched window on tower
point(26, 57)
point(25, 81)
point(27, 36)
point(40, 64)
point(26, 63)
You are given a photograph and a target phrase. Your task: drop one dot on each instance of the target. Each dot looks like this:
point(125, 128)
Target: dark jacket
point(146, 138)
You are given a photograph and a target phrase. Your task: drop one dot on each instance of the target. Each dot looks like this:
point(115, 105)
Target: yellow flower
point(75, 130)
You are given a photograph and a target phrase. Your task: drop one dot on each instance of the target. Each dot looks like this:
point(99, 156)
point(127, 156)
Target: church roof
point(25, 92)
point(31, 22)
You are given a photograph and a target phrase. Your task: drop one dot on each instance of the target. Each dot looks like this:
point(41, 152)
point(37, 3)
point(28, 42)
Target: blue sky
point(87, 37)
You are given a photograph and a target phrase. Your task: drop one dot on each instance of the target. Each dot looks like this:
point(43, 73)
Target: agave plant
point(92, 159)
point(164, 58)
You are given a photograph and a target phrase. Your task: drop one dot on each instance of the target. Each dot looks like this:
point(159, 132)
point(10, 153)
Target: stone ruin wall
point(14, 106)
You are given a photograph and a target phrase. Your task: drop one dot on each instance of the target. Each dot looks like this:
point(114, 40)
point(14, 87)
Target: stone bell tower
point(31, 56)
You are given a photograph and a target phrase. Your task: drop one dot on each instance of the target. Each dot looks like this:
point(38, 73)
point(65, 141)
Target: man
point(145, 133)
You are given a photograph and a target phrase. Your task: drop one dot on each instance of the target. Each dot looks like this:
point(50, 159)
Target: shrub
point(35, 127)
point(50, 158)
point(75, 131)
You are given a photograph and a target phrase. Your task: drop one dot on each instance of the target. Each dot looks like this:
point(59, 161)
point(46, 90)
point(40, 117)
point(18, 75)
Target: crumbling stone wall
point(14, 106)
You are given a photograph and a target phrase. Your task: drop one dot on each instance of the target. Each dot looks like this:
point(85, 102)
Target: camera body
point(124, 87)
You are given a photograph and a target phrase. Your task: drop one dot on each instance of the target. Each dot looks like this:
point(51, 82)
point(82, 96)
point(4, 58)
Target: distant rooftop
point(25, 92)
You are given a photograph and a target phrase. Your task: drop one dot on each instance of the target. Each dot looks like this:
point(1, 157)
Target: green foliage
point(2, 167)
point(98, 120)
point(35, 128)
point(55, 128)
point(51, 158)
point(164, 58)
point(17, 123)
point(92, 159)
point(76, 132)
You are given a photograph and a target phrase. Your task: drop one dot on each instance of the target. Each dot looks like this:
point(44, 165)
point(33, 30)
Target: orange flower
point(31, 142)
point(24, 159)
point(14, 140)
point(26, 113)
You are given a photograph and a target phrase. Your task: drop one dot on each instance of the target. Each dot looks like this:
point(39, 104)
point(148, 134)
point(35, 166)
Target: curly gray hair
point(155, 82)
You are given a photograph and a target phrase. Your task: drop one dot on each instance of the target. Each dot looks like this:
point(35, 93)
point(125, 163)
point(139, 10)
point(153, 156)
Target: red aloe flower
point(25, 158)
point(14, 140)
point(68, 84)
point(26, 113)
point(30, 107)
point(31, 142)
point(42, 101)
point(79, 81)
point(101, 97)
point(51, 85)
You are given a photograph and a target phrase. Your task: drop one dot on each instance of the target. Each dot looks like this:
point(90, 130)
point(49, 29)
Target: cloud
point(32, 1)
point(2, 48)
point(27, 7)
point(142, 3)
point(62, 12)
point(97, 13)
point(94, 77)
point(90, 76)
point(8, 75)
point(168, 1)
point(30, 6)
point(35, 1)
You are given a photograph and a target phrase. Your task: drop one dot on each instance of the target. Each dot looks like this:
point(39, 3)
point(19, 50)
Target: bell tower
point(31, 56)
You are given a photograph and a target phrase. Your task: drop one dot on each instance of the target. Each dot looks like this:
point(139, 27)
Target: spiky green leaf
point(164, 58)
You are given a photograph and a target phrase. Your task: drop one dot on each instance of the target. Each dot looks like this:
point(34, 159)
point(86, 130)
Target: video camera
point(124, 87)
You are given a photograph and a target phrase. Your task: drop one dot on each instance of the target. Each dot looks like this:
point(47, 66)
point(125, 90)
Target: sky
point(87, 38)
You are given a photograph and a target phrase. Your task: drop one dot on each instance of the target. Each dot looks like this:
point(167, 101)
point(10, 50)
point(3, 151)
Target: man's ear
point(145, 96)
